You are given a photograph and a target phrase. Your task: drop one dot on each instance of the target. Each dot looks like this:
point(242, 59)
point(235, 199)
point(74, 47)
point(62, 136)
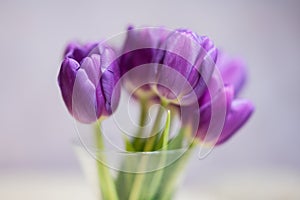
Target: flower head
point(137, 62)
point(238, 111)
point(177, 64)
point(87, 79)
point(191, 58)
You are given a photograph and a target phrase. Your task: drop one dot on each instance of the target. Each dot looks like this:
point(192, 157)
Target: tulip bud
point(238, 111)
point(192, 58)
point(177, 63)
point(138, 58)
point(87, 79)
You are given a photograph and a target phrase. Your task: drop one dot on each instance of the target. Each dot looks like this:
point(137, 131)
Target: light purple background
point(36, 129)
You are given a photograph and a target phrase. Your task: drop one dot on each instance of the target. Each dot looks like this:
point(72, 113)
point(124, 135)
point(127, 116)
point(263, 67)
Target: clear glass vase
point(117, 175)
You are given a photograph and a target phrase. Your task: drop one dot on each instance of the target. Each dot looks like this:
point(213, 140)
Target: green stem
point(137, 184)
point(108, 188)
point(138, 180)
point(154, 185)
point(143, 117)
point(137, 142)
point(150, 142)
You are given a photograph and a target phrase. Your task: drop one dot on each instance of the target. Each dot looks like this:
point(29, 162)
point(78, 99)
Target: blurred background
point(37, 161)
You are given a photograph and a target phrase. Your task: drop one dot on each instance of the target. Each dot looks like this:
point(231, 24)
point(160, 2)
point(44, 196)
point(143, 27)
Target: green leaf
point(177, 141)
point(128, 145)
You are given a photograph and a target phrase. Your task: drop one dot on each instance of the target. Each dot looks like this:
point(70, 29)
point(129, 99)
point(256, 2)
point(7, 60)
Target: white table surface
point(72, 186)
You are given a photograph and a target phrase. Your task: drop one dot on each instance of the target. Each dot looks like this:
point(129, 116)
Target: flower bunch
point(180, 70)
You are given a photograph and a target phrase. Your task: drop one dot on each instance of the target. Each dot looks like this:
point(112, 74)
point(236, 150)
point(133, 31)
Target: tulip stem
point(143, 117)
point(138, 181)
point(108, 188)
point(150, 142)
point(137, 142)
point(155, 182)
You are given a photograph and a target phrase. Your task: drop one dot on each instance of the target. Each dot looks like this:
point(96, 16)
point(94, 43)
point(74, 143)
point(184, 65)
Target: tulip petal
point(233, 71)
point(215, 85)
point(92, 70)
point(78, 51)
point(107, 89)
point(181, 49)
point(84, 99)
point(142, 38)
point(140, 47)
point(66, 79)
point(107, 57)
point(227, 92)
point(238, 115)
point(109, 78)
point(209, 47)
point(209, 124)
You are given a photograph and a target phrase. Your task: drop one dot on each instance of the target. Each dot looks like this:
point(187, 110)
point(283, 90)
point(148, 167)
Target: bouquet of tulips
point(195, 85)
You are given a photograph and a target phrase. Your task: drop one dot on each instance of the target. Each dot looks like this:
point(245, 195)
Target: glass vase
point(117, 175)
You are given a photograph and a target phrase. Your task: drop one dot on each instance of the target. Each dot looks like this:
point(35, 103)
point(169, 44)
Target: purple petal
point(107, 57)
point(84, 99)
point(220, 105)
point(217, 100)
point(144, 38)
point(233, 71)
point(140, 46)
point(91, 65)
point(78, 51)
point(215, 85)
point(136, 58)
point(171, 83)
point(109, 78)
point(209, 47)
point(184, 44)
point(238, 115)
point(66, 79)
point(190, 55)
point(70, 48)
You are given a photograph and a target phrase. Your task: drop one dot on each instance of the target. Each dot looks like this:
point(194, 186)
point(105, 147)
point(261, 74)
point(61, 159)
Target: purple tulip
point(140, 46)
point(177, 63)
point(87, 79)
point(192, 58)
point(137, 60)
point(238, 111)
